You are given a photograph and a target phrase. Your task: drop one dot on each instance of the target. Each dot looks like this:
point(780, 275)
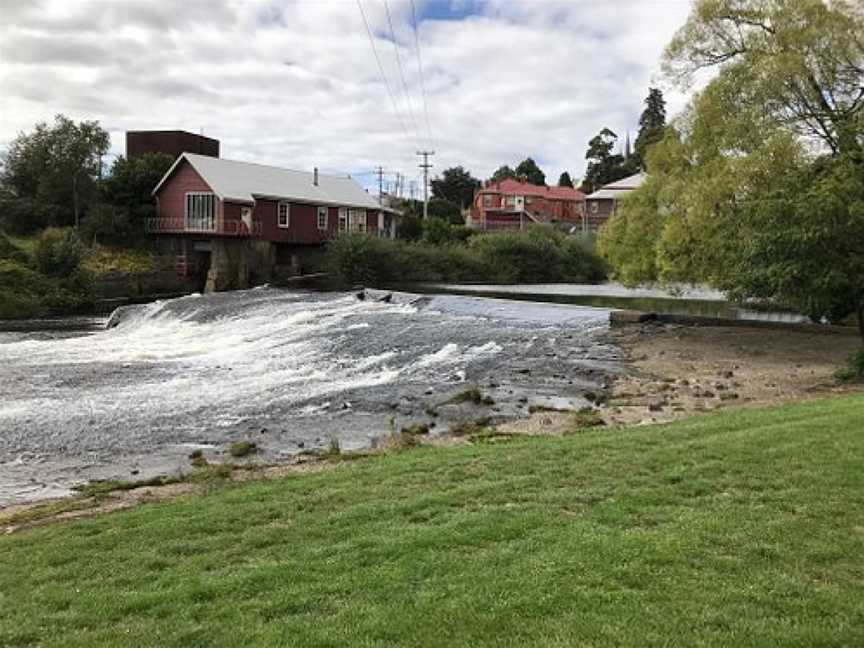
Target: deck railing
point(201, 225)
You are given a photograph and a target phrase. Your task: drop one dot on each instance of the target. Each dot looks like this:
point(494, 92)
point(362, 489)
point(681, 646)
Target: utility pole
point(425, 166)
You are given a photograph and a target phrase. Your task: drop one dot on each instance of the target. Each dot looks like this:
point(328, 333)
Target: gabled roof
point(618, 188)
point(245, 181)
point(527, 189)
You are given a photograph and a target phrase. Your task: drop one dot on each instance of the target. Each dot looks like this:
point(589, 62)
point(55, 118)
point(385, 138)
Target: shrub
point(540, 254)
point(9, 251)
point(59, 252)
point(111, 224)
point(242, 448)
point(854, 368)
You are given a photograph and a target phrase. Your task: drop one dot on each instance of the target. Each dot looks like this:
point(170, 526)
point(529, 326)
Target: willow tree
point(757, 187)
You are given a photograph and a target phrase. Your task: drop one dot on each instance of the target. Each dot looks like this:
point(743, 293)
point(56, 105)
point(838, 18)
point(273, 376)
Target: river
point(289, 370)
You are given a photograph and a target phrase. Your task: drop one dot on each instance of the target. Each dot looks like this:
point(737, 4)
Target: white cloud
point(296, 83)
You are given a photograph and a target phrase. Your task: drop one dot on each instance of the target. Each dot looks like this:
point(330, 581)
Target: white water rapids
point(288, 369)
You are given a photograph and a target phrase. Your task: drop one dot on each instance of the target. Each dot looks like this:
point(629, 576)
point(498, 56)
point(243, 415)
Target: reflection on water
point(681, 301)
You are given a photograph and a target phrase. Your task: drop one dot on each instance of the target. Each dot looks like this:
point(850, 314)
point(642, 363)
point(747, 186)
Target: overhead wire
point(420, 71)
point(383, 74)
point(402, 73)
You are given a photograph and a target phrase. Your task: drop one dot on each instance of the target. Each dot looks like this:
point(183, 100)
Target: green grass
point(735, 529)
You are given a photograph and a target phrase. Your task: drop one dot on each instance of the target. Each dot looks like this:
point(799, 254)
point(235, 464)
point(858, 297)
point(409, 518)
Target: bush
point(532, 256)
point(854, 368)
point(112, 225)
point(26, 216)
point(59, 252)
point(9, 251)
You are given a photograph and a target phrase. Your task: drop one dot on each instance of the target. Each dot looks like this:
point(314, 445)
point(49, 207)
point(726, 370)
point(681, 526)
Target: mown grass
point(735, 529)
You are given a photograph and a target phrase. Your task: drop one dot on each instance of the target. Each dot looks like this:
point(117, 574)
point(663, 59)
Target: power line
point(381, 70)
point(420, 70)
point(401, 72)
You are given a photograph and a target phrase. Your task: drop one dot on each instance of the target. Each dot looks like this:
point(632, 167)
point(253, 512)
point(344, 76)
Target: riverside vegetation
point(740, 527)
point(537, 254)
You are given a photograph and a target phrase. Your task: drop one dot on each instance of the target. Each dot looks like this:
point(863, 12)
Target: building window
point(200, 211)
point(487, 201)
point(322, 218)
point(357, 220)
point(343, 219)
point(284, 219)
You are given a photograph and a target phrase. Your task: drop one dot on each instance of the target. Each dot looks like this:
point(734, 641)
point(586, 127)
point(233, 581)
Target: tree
point(131, 182)
point(800, 59)
point(503, 173)
point(652, 122)
point(565, 181)
point(738, 197)
point(528, 171)
point(57, 165)
point(603, 166)
point(445, 210)
point(455, 185)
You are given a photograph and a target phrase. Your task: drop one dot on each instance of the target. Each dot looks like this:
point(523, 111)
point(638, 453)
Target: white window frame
point(287, 206)
point(343, 219)
point(323, 212)
point(357, 220)
point(195, 208)
point(487, 200)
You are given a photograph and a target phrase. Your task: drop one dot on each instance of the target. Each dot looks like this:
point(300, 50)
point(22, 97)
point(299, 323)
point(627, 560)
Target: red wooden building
point(239, 218)
point(511, 204)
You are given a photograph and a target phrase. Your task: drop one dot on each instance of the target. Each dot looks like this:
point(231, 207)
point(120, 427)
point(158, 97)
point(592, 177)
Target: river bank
point(666, 373)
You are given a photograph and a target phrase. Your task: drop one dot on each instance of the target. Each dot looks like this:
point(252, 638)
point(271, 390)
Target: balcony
point(201, 225)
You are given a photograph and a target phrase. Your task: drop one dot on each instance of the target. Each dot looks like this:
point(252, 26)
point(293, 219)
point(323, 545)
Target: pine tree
point(565, 180)
point(652, 124)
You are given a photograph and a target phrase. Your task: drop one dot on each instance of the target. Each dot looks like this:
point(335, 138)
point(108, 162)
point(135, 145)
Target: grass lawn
point(735, 529)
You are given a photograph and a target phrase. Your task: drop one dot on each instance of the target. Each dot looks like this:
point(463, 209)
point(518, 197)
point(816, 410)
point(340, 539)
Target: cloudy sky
point(297, 84)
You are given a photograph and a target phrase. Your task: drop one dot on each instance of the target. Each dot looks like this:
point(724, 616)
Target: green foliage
point(854, 369)
point(503, 173)
point(456, 185)
point(57, 168)
point(604, 166)
point(528, 171)
point(539, 254)
point(735, 198)
point(536, 255)
point(564, 180)
point(103, 259)
point(105, 223)
point(59, 252)
point(652, 124)
point(131, 182)
point(445, 210)
point(242, 449)
point(436, 230)
point(798, 61)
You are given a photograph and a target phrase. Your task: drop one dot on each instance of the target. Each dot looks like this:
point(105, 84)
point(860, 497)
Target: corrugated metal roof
point(244, 181)
point(616, 189)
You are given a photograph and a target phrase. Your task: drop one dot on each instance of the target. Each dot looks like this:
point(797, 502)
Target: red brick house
point(511, 204)
point(234, 219)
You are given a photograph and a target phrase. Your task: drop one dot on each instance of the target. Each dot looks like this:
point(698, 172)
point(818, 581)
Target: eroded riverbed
point(288, 370)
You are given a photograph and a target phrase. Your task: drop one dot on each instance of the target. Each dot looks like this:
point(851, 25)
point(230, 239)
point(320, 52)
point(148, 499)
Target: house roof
point(616, 189)
point(527, 189)
point(237, 181)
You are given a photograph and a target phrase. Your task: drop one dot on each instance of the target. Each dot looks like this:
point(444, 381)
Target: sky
point(297, 83)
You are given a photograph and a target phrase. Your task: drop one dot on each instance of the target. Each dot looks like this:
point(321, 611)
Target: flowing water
point(288, 370)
